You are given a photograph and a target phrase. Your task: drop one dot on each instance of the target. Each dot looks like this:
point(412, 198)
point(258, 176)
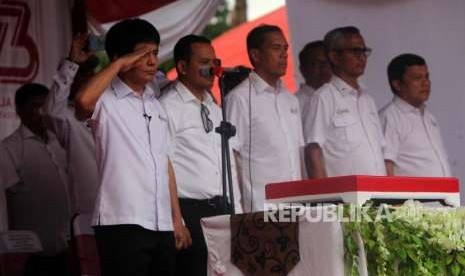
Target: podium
point(357, 189)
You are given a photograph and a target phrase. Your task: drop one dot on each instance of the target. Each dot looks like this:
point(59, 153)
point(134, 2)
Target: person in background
point(342, 129)
point(161, 83)
point(267, 119)
point(196, 147)
point(137, 219)
point(75, 136)
point(413, 139)
point(38, 193)
point(8, 177)
point(315, 70)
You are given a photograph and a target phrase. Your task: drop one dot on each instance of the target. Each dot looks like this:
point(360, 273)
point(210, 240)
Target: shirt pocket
point(347, 128)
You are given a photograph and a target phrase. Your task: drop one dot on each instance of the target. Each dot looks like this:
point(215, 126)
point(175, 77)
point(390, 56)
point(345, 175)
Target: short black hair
point(28, 91)
point(183, 48)
point(257, 36)
point(398, 65)
point(308, 49)
point(124, 35)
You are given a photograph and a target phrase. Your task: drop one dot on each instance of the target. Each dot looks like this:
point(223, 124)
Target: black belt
point(216, 202)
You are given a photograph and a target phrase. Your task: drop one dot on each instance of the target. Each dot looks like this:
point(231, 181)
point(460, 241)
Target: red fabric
point(89, 263)
point(111, 10)
point(363, 184)
point(78, 17)
point(231, 47)
point(13, 264)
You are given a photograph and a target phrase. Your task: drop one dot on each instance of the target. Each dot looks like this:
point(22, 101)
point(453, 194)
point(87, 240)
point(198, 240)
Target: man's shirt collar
point(405, 107)
point(121, 89)
point(262, 86)
point(345, 89)
point(188, 96)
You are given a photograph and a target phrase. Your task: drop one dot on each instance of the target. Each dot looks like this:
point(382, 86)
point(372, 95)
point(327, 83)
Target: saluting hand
point(130, 60)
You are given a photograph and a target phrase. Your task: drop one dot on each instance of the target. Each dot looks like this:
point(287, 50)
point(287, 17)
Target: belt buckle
point(215, 202)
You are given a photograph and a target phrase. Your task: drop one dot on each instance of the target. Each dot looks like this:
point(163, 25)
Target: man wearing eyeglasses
point(315, 70)
point(196, 147)
point(342, 129)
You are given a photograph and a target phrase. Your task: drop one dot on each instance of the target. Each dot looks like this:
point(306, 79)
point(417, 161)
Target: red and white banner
point(34, 36)
point(173, 19)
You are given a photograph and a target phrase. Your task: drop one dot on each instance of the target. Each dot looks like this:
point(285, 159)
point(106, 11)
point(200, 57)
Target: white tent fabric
point(173, 21)
point(433, 29)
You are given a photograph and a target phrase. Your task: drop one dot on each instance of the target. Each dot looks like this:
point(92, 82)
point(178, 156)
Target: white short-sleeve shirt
point(132, 142)
point(39, 201)
point(196, 154)
point(269, 135)
point(304, 94)
point(413, 141)
point(345, 124)
point(8, 177)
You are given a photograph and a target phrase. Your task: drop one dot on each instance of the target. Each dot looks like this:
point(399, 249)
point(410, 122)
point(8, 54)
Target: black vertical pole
point(226, 130)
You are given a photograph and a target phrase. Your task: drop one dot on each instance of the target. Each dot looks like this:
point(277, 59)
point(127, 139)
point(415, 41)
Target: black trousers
point(129, 250)
point(57, 265)
point(193, 260)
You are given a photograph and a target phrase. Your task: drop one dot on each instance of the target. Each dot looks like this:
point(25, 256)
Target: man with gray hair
point(342, 129)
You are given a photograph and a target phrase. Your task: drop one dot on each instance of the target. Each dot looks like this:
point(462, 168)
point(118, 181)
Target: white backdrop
point(433, 29)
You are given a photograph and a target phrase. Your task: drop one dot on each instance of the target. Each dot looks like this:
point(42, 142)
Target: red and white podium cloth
point(357, 189)
point(321, 248)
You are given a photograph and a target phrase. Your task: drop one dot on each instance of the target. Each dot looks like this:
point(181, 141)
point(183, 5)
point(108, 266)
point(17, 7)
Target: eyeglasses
point(207, 123)
point(356, 51)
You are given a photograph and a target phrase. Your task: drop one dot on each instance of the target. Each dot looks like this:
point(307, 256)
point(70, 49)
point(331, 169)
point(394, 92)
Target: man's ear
point(20, 113)
point(254, 55)
point(181, 67)
point(333, 57)
point(304, 72)
point(396, 85)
